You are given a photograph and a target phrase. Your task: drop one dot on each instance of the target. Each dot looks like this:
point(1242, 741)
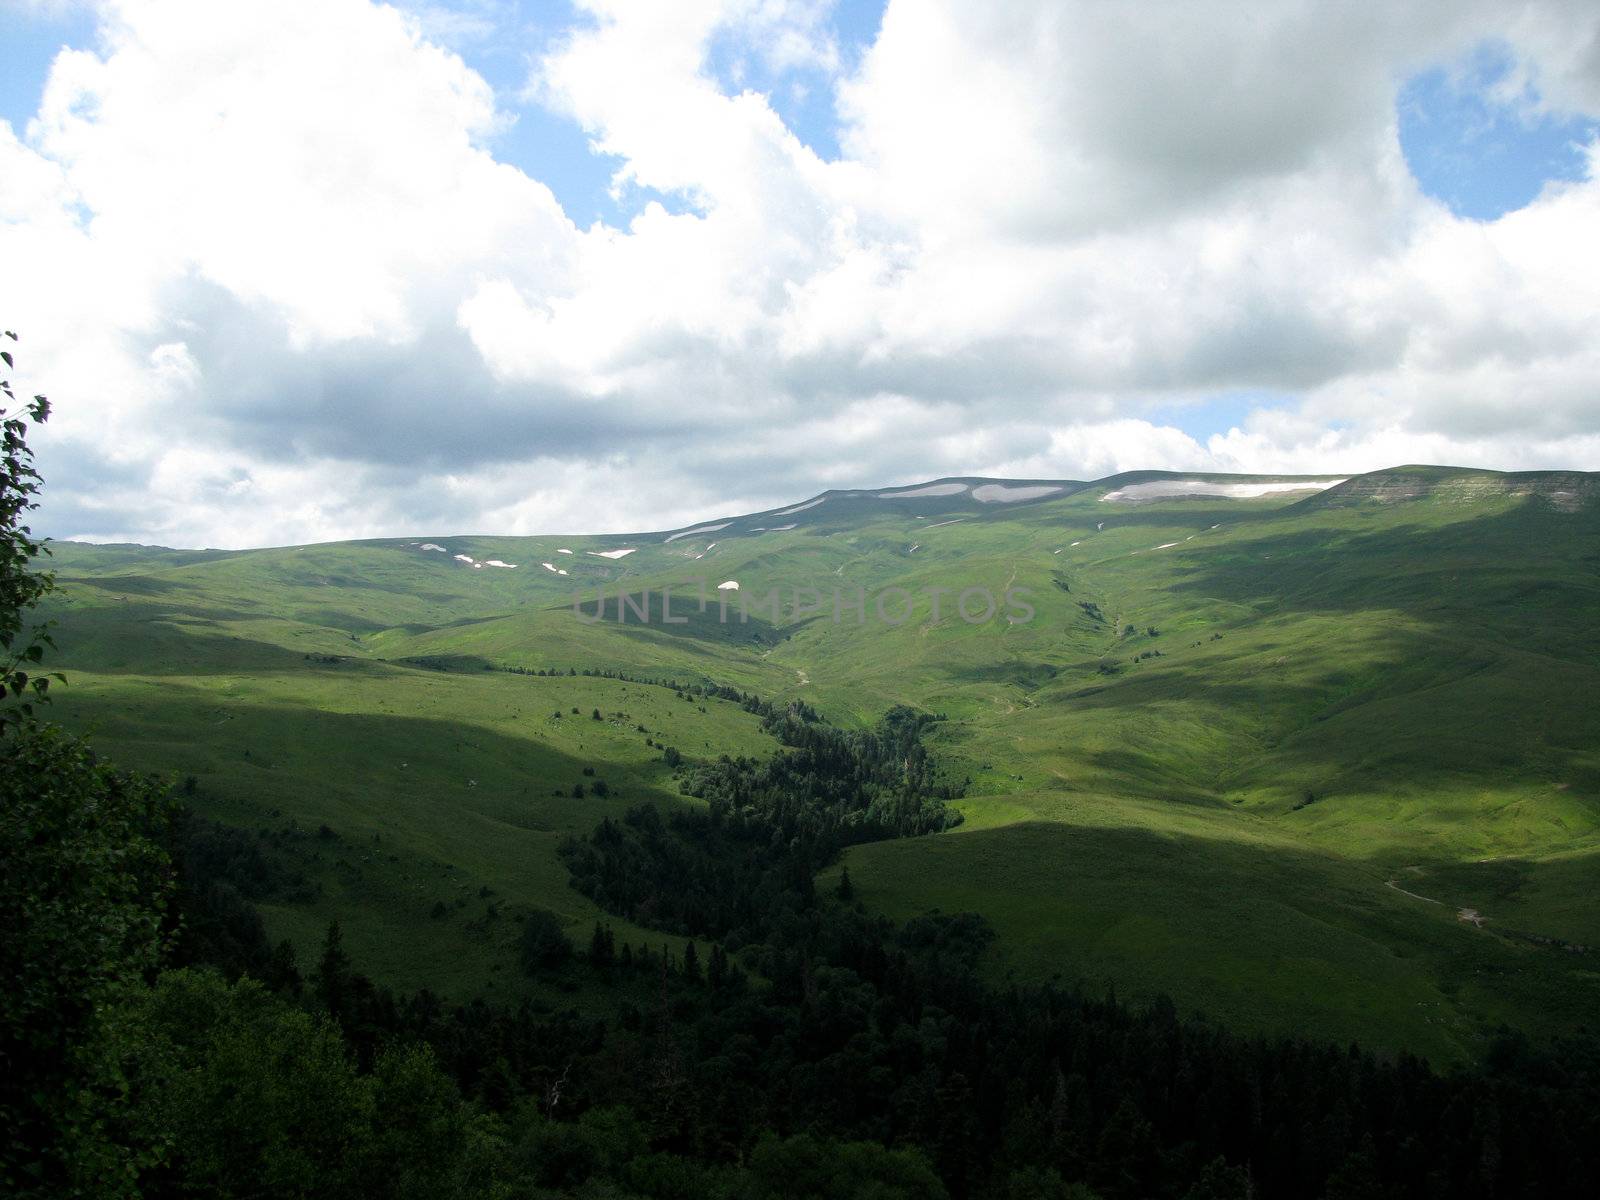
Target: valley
point(1254, 728)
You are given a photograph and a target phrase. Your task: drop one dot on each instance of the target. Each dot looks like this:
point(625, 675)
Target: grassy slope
point(438, 784)
point(1419, 668)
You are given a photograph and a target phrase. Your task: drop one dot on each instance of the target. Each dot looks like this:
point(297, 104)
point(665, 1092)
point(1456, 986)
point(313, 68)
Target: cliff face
point(1565, 491)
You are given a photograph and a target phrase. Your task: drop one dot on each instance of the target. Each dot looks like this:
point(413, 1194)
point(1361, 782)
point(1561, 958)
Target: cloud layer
point(265, 261)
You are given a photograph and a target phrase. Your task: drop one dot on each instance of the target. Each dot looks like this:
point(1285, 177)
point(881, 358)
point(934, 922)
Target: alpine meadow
point(962, 690)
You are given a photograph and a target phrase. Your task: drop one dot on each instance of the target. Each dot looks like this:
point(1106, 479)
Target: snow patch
point(1168, 545)
point(1163, 489)
point(613, 553)
point(799, 507)
point(999, 493)
point(495, 562)
point(433, 546)
point(466, 558)
point(672, 537)
point(728, 585)
point(931, 489)
point(563, 551)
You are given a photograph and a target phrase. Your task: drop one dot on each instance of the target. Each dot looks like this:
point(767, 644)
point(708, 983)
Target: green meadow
point(1317, 762)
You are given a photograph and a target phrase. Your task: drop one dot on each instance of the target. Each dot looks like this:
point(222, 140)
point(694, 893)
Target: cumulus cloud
point(270, 269)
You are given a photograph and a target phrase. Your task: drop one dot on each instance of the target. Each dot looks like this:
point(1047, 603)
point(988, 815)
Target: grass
point(1229, 725)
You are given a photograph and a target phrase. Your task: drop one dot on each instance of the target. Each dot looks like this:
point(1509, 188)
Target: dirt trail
point(1470, 916)
point(1395, 884)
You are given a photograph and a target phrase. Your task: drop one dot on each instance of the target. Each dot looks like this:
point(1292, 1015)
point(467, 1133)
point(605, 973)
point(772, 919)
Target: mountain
point(1306, 753)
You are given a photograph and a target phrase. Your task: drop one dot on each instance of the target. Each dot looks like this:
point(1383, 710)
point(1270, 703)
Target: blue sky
point(1466, 146)
point(32, 38)
point(1482, 154)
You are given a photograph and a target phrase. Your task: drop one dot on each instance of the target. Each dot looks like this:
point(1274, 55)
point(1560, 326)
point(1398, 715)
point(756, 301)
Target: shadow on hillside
point(1261, 937)
point(452, 779)
point(733, 627)
point(116, 587)
point(135, 638)
point(1519, 575)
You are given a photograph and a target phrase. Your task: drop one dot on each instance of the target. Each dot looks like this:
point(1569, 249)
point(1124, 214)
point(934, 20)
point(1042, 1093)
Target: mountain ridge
point(1388, 484)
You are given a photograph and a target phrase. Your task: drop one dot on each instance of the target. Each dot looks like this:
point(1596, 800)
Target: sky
point(304, 270)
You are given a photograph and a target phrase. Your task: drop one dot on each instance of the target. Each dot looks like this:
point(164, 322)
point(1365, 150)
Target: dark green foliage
point(249, 1096)
point(602, 946)
point(804, 1168)
point(283, 972)
point(83, 886)
point(543, 943)
point(768, 827)
point(22, 644)
point(332, 978)
point(1219, 1181)
point(221, 874)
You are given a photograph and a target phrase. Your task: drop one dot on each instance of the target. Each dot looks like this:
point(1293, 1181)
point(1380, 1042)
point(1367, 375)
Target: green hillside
point(1259, 752)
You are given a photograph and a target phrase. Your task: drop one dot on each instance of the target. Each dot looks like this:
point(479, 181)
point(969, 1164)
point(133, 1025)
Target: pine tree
point(691, 963)
point(332, 977)
point(602, 946)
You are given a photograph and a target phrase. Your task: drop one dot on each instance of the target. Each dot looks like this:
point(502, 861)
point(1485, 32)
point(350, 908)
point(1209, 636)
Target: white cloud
point(281, 290)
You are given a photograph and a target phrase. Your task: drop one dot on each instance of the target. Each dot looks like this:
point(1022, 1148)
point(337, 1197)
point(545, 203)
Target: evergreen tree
point(543, 942)
point(602, 946)
point(331, 978)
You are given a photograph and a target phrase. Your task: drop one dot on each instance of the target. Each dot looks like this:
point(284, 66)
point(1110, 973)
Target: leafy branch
point(22, 641)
